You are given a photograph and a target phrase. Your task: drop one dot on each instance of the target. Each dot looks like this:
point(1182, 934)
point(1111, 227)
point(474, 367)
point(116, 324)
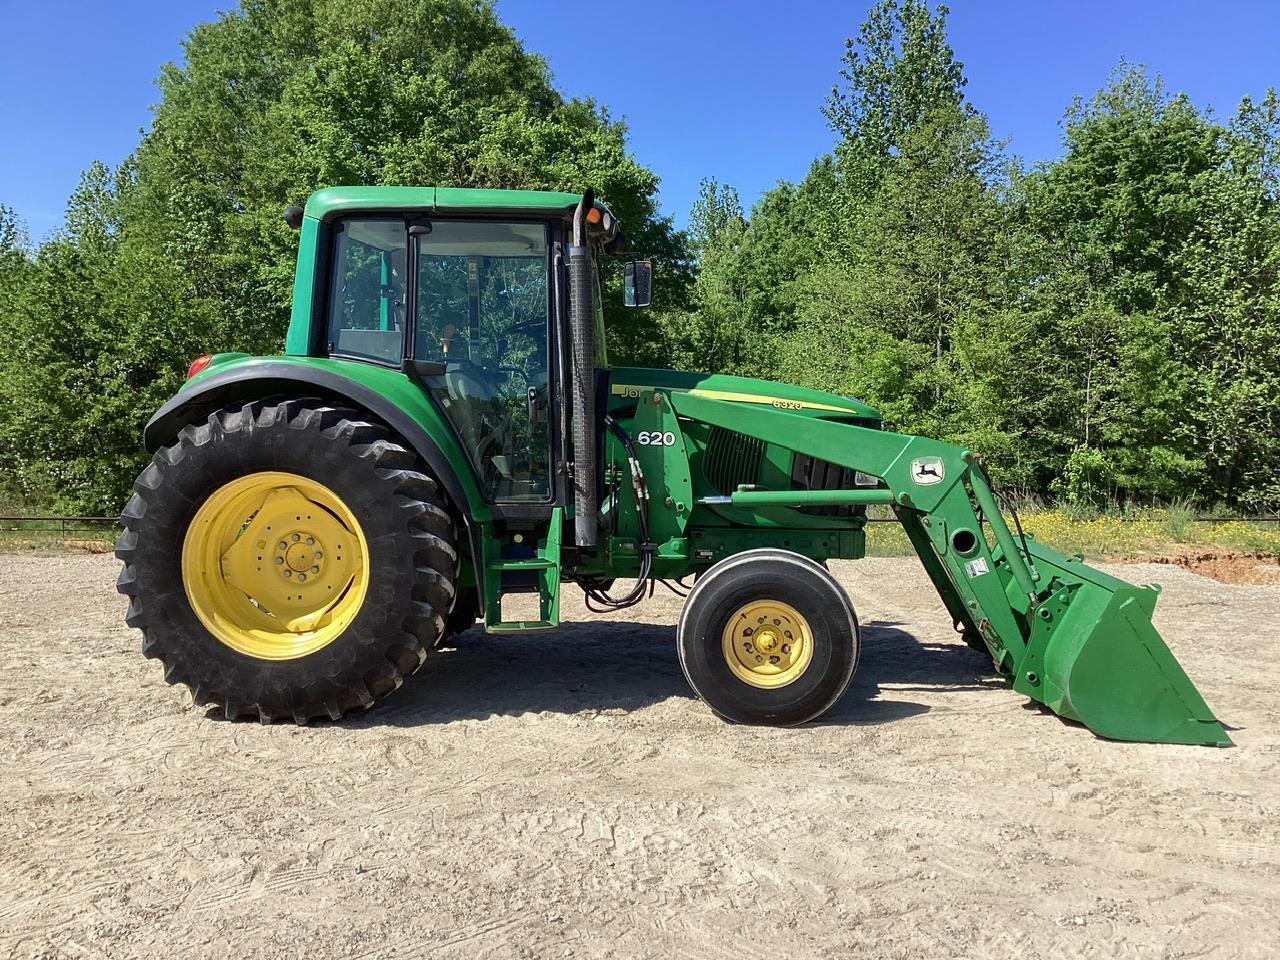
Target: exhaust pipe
point(583, 404)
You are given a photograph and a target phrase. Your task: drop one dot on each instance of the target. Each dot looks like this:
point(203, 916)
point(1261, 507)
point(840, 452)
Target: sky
point(709, 88)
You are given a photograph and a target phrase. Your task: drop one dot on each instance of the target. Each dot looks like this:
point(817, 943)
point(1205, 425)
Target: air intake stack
point(583, 395)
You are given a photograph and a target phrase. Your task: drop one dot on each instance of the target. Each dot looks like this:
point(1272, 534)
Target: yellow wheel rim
point(767, 643)
point(275, 565)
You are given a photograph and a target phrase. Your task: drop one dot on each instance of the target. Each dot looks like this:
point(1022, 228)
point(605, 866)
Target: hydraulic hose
point(594, 589)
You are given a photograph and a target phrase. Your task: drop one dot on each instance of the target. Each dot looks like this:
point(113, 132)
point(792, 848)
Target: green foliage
point(1149, 246)
point(183, 249)
point(14, 247)
point(713, 334)
point(896, 73)
point(77, 369)
point(1104, 328)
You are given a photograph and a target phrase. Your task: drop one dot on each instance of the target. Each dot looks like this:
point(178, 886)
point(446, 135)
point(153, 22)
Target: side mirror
point(637, 283)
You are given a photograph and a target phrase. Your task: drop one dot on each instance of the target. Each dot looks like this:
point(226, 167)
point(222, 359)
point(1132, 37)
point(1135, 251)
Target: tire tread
point(419, 505)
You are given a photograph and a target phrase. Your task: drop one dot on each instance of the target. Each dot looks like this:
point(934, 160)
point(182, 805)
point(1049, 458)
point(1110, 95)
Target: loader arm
point(1061, 632)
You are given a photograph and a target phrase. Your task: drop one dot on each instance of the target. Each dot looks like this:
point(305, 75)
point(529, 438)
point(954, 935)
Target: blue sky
point(709, 87)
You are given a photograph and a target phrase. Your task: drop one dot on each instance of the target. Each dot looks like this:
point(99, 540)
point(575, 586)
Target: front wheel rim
point(767, 644)
point(275, 565)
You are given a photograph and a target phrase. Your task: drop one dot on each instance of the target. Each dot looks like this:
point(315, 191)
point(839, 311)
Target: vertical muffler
point(582, 408)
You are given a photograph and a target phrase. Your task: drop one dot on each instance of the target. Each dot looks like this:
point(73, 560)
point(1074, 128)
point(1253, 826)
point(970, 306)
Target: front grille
point(809, 473)
point(732, 459)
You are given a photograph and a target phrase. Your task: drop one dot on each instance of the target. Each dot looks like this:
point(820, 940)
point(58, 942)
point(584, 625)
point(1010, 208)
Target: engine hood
point(627, 382)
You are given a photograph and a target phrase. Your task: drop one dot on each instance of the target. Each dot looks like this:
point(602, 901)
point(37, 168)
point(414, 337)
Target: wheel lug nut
point(311, 541)
point(315, 569)
point(319, 555)
point(283, 545)
point(288, 572)
point(786, 648)
point(279, 559)
point(295, 538)
point(302, 576)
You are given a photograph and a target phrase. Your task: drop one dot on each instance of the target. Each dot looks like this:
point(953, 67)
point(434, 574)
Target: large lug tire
point(768, 637)
point(463, 616)
point(211, 531)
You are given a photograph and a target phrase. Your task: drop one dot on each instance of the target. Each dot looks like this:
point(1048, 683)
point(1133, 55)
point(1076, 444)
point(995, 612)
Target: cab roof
point(332, 201)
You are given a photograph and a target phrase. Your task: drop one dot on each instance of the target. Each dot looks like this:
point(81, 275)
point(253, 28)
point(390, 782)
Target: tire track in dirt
point(563, 793)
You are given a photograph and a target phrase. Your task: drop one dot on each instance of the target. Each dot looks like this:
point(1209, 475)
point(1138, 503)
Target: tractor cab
point(465, 306)
point(466, 291)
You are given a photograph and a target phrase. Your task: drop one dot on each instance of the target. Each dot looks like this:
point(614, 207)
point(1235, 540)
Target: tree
point(279, 98)
point(183, 250)
point(922, 276)
point(15, 267)
point(74, 362)
point(1109, 223)
point(898, 70)
point(14, 247)
point(1225, 305)
point(711, 334)
point(908, 257)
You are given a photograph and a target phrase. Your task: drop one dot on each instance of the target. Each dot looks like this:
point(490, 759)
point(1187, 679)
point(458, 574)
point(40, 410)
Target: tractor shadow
point(895, 662)
point(597, 665)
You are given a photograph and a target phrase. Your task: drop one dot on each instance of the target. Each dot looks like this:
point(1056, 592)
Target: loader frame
point(1061, 632)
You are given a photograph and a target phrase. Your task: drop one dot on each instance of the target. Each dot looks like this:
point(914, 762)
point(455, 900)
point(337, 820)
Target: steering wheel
point(529, 327)
point(519, 371)
point(467, 380)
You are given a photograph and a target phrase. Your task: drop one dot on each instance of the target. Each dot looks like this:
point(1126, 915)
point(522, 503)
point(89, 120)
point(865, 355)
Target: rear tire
point(197, 595)
point(768, 637)
point(463, 616)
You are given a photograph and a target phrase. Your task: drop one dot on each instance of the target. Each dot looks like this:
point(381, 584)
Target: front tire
point(768, 637)
point(287, 560)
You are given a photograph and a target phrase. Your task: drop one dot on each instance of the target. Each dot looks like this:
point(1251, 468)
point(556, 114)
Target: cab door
point(483, 331)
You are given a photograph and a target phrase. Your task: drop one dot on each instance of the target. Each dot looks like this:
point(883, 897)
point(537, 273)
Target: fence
point(59, 528)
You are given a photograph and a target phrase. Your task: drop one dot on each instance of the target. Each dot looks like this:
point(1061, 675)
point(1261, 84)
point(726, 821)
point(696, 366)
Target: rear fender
point(416, 422)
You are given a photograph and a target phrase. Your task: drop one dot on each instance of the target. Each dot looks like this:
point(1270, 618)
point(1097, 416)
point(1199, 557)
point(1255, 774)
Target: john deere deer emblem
point(925, 470)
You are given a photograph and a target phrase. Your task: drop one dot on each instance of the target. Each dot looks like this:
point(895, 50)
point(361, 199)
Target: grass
point(46, 535)
point(1102, 536)
point(1111, 536)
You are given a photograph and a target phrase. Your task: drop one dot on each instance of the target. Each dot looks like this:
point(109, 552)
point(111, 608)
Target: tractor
point(444, 433)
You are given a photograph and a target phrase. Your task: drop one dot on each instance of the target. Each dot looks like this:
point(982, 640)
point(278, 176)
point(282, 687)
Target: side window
point(367, 295)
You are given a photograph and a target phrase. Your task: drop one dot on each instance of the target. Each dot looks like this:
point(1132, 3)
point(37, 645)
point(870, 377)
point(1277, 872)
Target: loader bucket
point(1094, 656)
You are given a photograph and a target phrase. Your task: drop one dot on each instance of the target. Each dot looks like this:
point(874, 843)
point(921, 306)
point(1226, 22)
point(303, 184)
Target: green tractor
point(444, 432)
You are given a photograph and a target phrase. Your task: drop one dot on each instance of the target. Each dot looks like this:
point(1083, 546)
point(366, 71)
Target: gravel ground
point(563, 795)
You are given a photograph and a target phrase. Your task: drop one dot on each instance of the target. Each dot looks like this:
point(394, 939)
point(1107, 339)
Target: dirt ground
point(1224, 565)
point(564, 796)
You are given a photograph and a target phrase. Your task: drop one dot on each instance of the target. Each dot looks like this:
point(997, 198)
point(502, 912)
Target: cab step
point(522, 626)
point(532, 563)
point(545, 563)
